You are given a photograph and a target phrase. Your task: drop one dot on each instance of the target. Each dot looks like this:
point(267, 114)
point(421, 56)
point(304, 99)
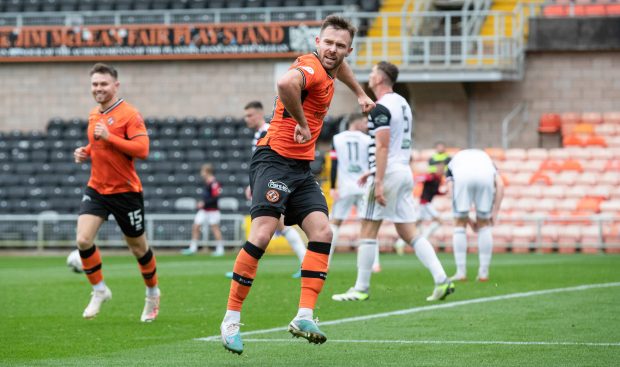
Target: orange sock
point(313, 273)
point(91, 263)
point(244, 272)
point(148, 268)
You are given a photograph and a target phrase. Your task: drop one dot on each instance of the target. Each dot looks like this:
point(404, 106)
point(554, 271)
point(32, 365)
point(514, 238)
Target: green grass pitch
point(41, 304)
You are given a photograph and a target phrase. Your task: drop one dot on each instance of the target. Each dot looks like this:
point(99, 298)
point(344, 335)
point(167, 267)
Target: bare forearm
point(345, 75)
point(381, 162)
point(289, 94)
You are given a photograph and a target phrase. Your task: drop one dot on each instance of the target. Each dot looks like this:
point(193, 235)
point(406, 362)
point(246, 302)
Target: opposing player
point(389, 193)
point(208, 213)
point(349, 157)
point(255, 119)
point(473, 179)
point(116, 136)
point(282, 182)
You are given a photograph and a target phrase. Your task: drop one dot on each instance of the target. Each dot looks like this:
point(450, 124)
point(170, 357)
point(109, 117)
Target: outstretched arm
point(345, 75)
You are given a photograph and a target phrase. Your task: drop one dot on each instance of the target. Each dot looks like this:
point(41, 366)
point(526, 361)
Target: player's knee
point(323, 234)
point(260, 238)
point(483, 222)
point(84, 242)
point(460, 222)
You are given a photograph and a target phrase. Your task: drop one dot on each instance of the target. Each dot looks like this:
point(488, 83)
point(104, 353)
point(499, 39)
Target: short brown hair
point(101, 68)
point(338, 22)
point(390, 70)
point(254, 104)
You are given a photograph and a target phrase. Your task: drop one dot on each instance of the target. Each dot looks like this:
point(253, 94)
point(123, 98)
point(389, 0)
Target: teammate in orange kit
point(283, 184)
point(116, 136)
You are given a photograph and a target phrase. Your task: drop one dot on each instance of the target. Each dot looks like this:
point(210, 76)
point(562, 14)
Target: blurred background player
point(439, 157)
point(208, 213)
point(116, 136)
point(431, 183)
point(473, 179)
point(283, 184)
point(349, 161)
point(389, 193)
point(254, 117)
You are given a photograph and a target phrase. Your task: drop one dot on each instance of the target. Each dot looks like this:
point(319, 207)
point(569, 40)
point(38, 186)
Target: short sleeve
point(308, 70)
point(380, 116)
point(136, 127)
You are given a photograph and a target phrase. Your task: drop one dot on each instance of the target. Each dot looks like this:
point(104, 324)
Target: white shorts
point(427, 212)
point(474, 190)
point(398, 192)
point(342, 206)
point(204, 217)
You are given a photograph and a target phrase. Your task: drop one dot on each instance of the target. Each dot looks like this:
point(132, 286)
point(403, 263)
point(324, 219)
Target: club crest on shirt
point(278, 186)
point(272, 196)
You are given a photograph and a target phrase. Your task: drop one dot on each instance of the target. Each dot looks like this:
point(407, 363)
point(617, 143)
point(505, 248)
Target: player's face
point(253, 117)
point(375, 77)
point(333, 45)
point(103, 87)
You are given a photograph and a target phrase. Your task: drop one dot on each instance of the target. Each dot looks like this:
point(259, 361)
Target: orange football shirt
point(112, 171)
point(316, 96)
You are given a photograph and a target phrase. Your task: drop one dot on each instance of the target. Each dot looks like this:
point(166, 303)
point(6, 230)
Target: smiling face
point(103, 87)
point(333, 45)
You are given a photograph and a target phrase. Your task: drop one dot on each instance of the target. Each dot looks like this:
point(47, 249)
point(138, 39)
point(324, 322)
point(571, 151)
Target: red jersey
point(112, 171)
point(316, 96)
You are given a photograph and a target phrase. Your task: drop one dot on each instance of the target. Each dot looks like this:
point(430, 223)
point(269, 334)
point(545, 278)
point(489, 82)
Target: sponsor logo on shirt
point(308, 69)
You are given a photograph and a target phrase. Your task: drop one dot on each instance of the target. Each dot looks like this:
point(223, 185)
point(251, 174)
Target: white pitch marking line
point(476, 342)
point(435, 307)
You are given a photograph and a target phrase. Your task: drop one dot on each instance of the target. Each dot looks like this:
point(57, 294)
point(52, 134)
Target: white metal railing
point(167, 17)
point(58, 230)
point(507, 135)
point(174, 230)
point(459, 51)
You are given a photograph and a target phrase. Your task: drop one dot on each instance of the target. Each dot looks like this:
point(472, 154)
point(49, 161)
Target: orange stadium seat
point(572, 140)
point(555, 11)
point(600, 153)
point(612, 9)
point(519, 179)
point(508, 166)
point(550, 165)
point(540, 177)
point(595, 141)
point(546, 205)
point(549, 122)
point(526, 204)
point(583, 128)
point(613, 165)
point(589, 205)
point(571, 165)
